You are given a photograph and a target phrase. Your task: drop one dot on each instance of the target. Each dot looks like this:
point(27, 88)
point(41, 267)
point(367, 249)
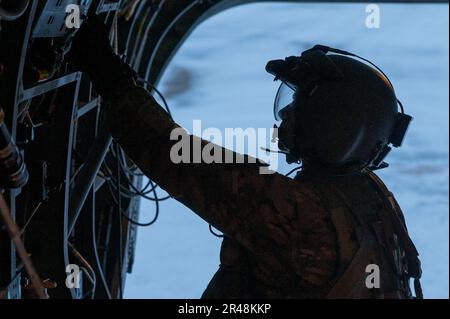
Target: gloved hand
point(92, 53)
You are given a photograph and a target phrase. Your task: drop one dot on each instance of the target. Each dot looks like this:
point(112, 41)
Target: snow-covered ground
point(218, 76)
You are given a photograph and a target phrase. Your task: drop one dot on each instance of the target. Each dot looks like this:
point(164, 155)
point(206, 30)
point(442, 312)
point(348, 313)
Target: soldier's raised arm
point(235, 198)
point(250, 207)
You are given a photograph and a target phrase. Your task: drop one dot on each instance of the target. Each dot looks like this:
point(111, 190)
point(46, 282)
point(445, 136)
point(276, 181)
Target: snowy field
point(218, 76)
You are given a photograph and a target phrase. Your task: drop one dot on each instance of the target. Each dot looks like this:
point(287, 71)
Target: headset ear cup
point(400, 129)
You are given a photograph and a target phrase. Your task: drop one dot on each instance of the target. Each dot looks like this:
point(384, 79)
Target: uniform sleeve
point(257, 210)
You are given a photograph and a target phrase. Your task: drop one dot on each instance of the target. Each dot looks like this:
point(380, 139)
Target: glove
point(92, 53)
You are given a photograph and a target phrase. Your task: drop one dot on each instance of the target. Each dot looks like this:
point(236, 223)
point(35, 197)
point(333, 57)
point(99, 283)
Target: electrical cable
point(126, 171)
point(119, 210)
point(124, 212)
point(87, 266)
point(97, 258)
point(13, 13)
point(143, 192)
point(137, 193)
point(30, 218)
point(93, 283)
point(14, 233)
point(153, 88)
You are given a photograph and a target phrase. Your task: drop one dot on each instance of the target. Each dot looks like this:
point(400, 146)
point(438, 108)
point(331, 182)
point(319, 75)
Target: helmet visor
point(284, 98)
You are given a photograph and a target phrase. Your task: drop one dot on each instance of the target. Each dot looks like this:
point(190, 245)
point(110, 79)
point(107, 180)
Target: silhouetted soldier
point(320, 235)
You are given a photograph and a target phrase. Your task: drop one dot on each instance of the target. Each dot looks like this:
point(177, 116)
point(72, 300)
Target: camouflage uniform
point(282, 237)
